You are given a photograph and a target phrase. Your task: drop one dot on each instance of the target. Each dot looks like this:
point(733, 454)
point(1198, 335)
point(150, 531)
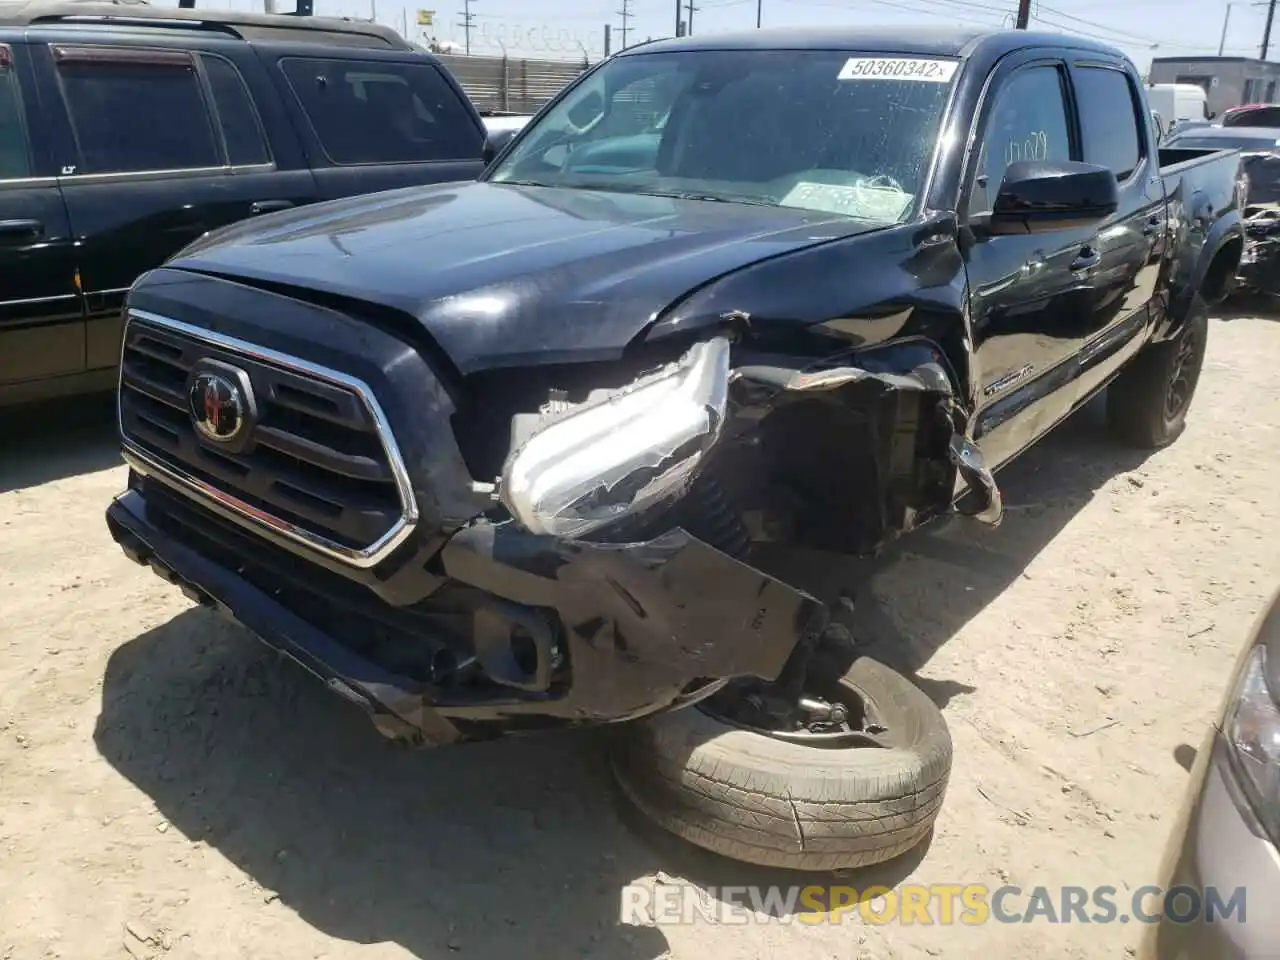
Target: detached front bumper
point(523, 632)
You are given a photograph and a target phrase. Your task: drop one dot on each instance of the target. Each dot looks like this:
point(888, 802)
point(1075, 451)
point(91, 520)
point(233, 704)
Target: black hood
point(504, 275)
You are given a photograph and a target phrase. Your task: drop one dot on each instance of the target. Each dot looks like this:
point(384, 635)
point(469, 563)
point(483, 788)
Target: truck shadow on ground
point(500, 850)
point(43, 442)
point(1248, 306)
point(513, 848)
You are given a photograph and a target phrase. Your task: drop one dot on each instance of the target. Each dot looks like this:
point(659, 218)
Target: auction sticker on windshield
point(898, 68)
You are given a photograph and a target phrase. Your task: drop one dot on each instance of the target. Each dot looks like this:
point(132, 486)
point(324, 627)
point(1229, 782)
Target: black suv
point(127, 131)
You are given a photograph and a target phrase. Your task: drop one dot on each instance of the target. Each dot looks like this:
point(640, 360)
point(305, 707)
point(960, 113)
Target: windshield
point(832, 132)
point(1223, 143)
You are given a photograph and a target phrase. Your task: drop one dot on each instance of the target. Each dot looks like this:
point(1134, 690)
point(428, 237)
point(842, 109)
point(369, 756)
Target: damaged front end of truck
point(606, 573)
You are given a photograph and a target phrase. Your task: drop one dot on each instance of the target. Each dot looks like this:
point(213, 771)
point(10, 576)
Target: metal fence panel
point(510, 85)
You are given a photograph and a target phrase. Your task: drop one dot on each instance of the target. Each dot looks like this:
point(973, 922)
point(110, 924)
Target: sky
point(564, 29)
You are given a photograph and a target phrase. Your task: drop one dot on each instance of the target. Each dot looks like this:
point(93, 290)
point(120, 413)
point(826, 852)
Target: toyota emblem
point(217, 406)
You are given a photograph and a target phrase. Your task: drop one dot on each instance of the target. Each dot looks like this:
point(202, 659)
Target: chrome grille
point(318, 465)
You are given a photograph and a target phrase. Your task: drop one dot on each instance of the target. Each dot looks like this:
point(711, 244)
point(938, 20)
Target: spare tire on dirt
point(804, 803)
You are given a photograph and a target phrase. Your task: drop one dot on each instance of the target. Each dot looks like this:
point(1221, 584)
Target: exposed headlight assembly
point(1253, 732)
point(614, 457)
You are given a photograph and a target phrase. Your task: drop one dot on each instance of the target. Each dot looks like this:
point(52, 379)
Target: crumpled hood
point(504, 275)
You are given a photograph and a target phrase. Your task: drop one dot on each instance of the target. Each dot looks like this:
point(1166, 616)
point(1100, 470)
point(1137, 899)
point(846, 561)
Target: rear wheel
point(859, 780)
point(1147, 403)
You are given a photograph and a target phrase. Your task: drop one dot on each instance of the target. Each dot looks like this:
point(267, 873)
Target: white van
point(1176, 102)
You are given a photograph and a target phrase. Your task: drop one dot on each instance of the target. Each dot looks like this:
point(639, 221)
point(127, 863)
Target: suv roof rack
point(299, 25)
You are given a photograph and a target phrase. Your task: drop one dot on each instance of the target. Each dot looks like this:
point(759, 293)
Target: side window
point(15, 161)
point(1028, 121)
point(1108, 119)
point(136, 109)
point(236, 112)
point(375, 112)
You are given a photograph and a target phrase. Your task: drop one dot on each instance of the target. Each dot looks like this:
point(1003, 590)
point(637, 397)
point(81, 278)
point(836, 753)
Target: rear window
point(1259, 117)
point(1108, 119)
point(134, 109)
point(236, 113)
point(373, 112)
point(15, 163)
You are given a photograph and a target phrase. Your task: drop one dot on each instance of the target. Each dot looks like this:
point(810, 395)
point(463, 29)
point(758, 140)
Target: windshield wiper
point(717, 197)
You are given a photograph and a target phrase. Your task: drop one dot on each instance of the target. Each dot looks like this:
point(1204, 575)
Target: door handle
point(1087, 259)
point(21, 228)
point(1151, 226)
point(268, 206)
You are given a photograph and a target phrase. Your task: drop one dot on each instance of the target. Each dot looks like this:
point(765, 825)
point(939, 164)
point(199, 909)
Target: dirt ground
point(169, 787)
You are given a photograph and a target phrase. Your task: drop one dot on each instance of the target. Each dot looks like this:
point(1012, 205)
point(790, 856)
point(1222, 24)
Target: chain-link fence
point(509, 84)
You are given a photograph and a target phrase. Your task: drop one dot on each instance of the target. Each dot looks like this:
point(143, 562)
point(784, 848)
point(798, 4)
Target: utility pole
point(625, 14)
point(1266, 32)
point(1024, 14)
point(759, 12)
point(1226, 21)
point(691, 8)
point(468, 21)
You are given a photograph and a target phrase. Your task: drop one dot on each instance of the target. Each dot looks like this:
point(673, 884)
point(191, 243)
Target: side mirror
point(1037, 196)
point(495, 143)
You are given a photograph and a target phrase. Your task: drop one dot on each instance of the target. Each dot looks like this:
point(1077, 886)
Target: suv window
point(135, 110)
point(1108, 119)
point(370, 112)
point(1028, 121)
point(15, 162)
point(236, 113)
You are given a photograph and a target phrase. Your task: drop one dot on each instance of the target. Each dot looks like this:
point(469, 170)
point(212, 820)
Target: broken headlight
point(616, 456)
point(1253, 733)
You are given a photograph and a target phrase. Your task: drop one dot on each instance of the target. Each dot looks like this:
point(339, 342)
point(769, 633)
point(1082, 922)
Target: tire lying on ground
point(755, 798)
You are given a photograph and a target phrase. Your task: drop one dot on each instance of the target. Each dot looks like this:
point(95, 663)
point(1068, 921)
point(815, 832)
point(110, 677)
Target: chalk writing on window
point(1035, 146)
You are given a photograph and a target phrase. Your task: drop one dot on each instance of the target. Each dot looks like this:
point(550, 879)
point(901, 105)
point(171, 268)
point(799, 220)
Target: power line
point(994, 16)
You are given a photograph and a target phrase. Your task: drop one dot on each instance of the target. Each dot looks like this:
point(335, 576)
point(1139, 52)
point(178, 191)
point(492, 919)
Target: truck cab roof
point(962, 42)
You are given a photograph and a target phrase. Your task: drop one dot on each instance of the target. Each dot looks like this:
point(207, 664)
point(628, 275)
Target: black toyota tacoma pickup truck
point(496, 456)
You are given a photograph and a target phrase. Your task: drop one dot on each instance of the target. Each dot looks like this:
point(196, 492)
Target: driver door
point(1030, 297)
